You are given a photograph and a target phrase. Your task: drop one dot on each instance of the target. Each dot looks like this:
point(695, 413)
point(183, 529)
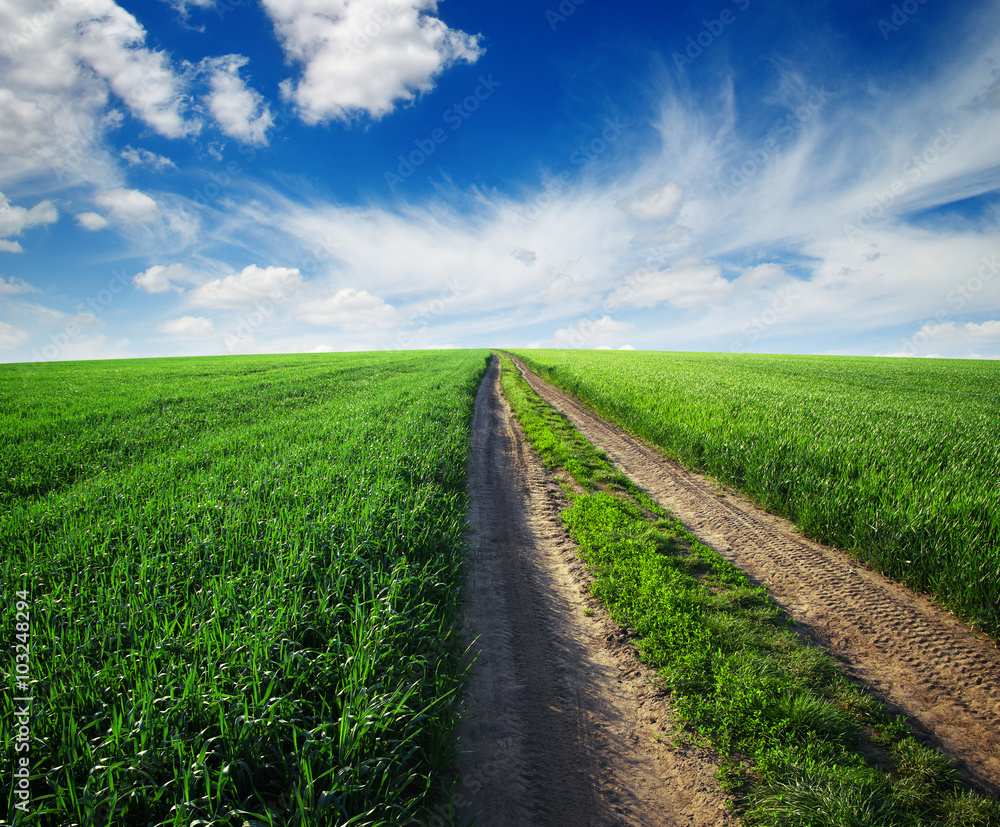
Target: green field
point(895, 460)
point(800, 744)
point(240, 583)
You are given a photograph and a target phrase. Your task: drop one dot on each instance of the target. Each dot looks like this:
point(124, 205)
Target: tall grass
point(895, 460)
point(245, 585)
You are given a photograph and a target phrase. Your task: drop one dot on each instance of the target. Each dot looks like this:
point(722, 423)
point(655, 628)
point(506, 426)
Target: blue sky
point(183, 177)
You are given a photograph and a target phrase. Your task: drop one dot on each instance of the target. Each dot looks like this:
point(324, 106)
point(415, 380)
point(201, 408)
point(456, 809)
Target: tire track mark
point(554, 733)
point(923, 660)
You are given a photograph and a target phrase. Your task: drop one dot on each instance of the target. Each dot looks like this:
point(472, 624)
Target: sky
point(195, 177)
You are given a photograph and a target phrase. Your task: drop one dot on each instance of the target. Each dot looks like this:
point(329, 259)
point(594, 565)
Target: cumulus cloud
point(188, 327)
point(143, 157)
point(92, 221)
point(350, 310)
point(954, 332)
point(251, 284)
point(592, 333)
point(15, 287)
point(364, 56)
point(183, 6)
point(240, 111)
point(14, 220)
point(656, 203)
point(11, 337)
point(162, 279)
point(111, 41)
point(128, 206)
point(73, 70)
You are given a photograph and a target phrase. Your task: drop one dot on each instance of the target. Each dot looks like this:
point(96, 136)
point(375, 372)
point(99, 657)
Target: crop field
point(797, 738)
point(895, 460)
point(233, 587)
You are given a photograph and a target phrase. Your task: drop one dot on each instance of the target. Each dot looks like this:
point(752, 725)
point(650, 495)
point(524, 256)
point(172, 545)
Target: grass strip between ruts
point(800, 743)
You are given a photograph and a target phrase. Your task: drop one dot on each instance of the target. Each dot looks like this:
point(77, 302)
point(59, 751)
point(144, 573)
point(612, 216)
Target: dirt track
point(928, 665)
point(562, 725)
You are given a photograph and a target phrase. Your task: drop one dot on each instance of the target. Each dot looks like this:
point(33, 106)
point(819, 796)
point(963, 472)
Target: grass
point(243, 577)
point(800, 744)
point(894, 460)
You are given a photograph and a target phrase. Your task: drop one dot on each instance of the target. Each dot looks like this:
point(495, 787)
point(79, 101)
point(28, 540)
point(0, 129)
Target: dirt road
point(925, 662)
point(562, 726)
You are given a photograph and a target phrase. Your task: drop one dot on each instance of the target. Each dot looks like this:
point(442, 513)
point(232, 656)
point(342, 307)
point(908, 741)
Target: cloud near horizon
point(807, 207)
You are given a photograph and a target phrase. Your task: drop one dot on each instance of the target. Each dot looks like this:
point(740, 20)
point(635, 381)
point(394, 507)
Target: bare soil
point(563, 725)
point(923, 661)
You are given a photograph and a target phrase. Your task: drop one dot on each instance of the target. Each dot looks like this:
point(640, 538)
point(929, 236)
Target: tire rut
point(559, 728)
point(926, 663)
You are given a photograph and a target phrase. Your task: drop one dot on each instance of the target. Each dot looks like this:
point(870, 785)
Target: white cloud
point(188, 327)
point(162, 279)
point(350, 310)
point(50, 316)
point(954, 332)
point(143, 157)
point(251, 284)
point(240, 111)
point(686, 287)
point(11, 337)
point(112, 42)
point(128, 206)
point(92, 221)
point(181, 6)
point(364, 55)
point(15, 287)
point(14, 220)
point(592, 333)
point(451, 266)
point(72, 69)
point(655, 203)
point(468, 266)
